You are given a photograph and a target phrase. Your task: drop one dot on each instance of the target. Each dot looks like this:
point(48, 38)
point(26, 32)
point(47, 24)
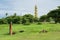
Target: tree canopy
point(55, 14)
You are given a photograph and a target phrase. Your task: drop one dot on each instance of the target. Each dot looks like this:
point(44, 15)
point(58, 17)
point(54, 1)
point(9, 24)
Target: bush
point(27, 23)
point(3, 21)
point(43, 31)
point(21, 31)
point(39, 23)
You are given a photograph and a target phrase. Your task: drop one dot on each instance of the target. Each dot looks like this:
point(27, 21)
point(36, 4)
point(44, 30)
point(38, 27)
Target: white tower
point(35, 9)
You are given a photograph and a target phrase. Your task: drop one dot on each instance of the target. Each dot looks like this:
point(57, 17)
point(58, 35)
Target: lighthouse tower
point(35, 9)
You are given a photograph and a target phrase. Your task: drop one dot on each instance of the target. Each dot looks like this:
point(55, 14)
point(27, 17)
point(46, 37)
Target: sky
point(22, 7)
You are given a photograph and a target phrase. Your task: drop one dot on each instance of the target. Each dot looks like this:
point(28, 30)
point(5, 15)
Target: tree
point(15, 20)
point(36, 19)
point(27, 18)
point(55, 14)
point(43, 18)
point(6, 14)
point(14, 14)
point(3, 21)
point(58, 7)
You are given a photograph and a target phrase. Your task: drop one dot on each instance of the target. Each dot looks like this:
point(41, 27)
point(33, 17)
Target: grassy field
point(31, 32)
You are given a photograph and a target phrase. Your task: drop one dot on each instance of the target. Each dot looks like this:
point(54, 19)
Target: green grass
point(31, 32)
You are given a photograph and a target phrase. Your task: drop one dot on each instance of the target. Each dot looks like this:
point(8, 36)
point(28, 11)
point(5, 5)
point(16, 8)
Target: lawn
point(31, 32)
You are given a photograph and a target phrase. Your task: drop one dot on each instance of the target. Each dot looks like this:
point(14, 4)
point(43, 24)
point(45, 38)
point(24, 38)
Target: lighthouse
point(35, 9)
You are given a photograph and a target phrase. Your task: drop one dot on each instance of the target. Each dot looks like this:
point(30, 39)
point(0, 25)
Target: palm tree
point(6, 14)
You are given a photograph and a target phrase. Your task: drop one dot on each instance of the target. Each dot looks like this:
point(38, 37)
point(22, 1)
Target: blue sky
point(22, 7)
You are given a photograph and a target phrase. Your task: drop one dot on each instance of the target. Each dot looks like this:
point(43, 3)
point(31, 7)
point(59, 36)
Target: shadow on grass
point(9, 33)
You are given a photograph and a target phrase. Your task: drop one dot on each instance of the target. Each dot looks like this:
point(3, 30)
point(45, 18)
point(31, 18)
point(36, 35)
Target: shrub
point(21, 31)
point(39, 23)
point(27, 23)
point(43, 31)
